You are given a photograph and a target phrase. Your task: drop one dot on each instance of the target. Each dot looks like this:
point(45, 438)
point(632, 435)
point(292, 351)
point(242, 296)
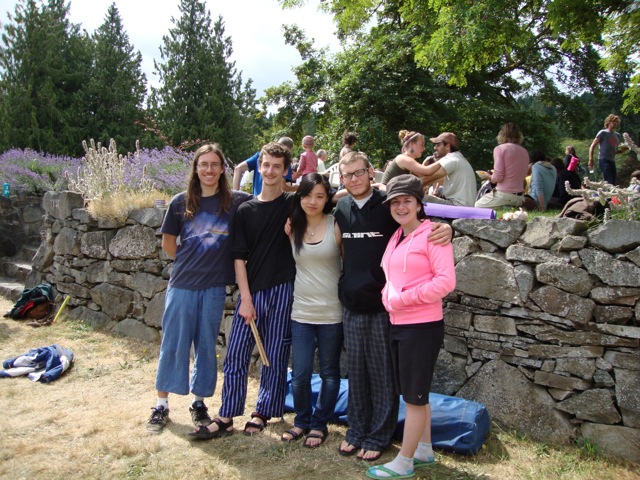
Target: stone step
point(17, 270)
point(10, 289)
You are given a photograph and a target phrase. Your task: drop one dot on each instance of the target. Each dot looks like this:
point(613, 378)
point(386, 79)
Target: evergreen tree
point(44, 66)
point(202, 96)
point(117, 86)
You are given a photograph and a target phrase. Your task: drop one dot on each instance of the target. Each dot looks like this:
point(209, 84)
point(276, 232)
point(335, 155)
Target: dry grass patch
point(91, 424)
point(117, 206)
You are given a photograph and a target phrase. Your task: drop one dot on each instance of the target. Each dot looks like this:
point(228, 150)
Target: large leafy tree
point(117, 86)
point(622, 41)
point(44, 66)
point(202, 96)
point(376, 88)
point(544, 43)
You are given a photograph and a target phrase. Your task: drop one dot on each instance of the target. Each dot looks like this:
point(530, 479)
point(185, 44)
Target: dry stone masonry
point(543, 327)
point(20, 222)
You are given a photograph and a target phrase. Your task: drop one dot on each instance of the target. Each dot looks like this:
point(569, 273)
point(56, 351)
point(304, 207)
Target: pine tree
point(202, 96)
point(117, 86)
point(44, 66)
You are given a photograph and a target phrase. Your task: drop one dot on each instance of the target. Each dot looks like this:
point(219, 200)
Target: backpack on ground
point(582, 209)
point(34, 303)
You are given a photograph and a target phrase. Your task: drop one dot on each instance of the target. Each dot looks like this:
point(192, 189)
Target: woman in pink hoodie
point(419, 275)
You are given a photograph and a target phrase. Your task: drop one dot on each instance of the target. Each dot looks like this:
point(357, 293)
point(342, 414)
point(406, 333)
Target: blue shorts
point(191, 317)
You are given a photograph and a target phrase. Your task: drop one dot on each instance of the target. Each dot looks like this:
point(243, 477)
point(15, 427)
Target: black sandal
point(322, 436)
point(203, 433)
point(259, 426)
point(294, 435)
point(348, 453)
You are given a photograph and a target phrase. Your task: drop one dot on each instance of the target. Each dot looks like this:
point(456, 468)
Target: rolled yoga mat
point(454, 211)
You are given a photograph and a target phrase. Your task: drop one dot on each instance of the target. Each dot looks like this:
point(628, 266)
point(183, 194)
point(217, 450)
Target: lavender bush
point(34, 173)
point(168, 169)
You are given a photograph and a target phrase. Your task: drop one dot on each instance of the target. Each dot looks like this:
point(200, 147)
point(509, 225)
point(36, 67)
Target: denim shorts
point(191, 318)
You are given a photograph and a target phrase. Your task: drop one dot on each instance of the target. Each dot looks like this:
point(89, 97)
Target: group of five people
point(306, 278)
point(517, 179)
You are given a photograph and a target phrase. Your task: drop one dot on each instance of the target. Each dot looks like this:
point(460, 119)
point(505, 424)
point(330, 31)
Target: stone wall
point(20, 223)
point(542, 328)
point(115, 273)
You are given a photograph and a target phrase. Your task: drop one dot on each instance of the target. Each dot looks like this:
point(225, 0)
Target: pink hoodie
point(419, 275)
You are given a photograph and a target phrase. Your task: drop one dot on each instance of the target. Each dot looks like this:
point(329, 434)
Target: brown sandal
point(347, 453)
point(322, 436)
point(259, 426)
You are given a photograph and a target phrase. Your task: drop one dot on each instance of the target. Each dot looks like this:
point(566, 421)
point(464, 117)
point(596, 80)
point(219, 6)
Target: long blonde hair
point(611, 118)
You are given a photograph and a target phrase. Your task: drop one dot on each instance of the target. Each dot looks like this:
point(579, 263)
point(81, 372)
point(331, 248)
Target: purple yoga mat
point(454, 211)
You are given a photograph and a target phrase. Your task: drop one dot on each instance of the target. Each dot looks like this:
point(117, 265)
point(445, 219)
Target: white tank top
point(315, 293)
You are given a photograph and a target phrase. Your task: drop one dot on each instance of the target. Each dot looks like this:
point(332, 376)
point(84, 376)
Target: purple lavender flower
point(34, 173)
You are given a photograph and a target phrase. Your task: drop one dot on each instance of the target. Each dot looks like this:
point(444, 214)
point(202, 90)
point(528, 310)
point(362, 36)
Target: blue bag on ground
point(457, 425)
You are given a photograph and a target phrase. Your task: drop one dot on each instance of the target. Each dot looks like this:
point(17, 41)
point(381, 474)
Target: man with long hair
point(195, 297)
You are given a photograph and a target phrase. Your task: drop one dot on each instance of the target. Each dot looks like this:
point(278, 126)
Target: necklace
point(312, 231)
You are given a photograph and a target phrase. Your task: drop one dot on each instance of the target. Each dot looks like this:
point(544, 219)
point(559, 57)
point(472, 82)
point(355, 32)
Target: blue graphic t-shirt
point(203, 258)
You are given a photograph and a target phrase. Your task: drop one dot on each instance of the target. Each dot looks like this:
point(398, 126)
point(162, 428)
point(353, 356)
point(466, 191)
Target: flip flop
point(347, 453)
point(322, 436)
point(294, 435)
point(371, 473)
point(421, 463)
point(203, 433)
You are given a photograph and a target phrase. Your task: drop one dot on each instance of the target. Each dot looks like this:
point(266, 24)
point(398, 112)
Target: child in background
point(635, 186)
point(571, 160)
point(308, 158)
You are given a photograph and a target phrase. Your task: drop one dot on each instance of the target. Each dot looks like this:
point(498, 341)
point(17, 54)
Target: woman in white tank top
point(316, 314)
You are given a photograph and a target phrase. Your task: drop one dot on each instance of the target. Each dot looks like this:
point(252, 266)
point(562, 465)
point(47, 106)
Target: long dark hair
point(194, 190)
point(298, 217)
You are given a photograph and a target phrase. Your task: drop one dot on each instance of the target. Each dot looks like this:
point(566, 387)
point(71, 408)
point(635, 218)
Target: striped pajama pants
point(273, 309)
point(373, 403)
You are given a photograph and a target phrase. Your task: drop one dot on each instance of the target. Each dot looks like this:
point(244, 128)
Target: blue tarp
point(457, 425)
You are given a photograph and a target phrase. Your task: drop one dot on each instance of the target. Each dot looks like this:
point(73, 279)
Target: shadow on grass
point(7, 329)
point(278, 459)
